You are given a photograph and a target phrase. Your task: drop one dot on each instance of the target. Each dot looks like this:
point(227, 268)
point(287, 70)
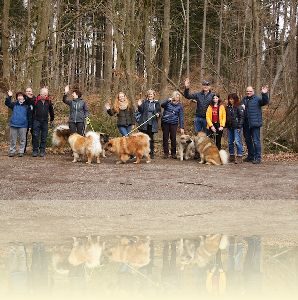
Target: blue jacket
point(21, 114)
point(203, 101)
point(143, 109)
point(172, 113)
point(253, 109)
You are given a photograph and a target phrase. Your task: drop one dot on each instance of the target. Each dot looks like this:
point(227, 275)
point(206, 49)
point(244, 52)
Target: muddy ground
point(163, 198)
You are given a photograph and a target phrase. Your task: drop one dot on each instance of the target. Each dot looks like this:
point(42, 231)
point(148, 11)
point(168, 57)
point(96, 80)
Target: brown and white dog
point(62, 133)
point(208, 151)
point(186, 147)
point(88, 145)
point(60, 138)
point(137, 144)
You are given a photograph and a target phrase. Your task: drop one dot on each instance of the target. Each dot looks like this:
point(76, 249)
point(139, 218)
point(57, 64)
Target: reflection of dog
point(60, 137)
point(88, 145)
point(135, 144)
point(202, 250)
point(85, 251)
point(186, 147)
point(134, 252)
point(208, 151)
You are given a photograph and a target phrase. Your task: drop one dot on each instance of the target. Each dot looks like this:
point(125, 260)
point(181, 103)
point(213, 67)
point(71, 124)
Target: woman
point(235, 118)
point(172, 115)
point(125, 113)
point(78, 111)
point(150, 110)
point(216, 119)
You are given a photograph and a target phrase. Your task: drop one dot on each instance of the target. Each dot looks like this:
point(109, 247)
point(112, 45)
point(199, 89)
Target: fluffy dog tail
point(95, 145)
point(224, 157)
point(61, 133)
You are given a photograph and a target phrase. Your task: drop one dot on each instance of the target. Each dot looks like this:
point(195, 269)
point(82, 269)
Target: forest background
point(104, 47)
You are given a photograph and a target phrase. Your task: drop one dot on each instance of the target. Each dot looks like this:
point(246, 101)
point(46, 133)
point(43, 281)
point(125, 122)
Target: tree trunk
point(108, 54)
point(148, 48)
point(256, 23)
point(44, 13)
point(166, 48)
point(219, 42)
point(5, 40)
point(203, 41)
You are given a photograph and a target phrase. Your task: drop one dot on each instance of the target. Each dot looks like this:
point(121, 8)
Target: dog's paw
point(201, 162)
point(74, 161)
point(118, 162)
point(88, 162)
point(148, 161)
point(136, 162)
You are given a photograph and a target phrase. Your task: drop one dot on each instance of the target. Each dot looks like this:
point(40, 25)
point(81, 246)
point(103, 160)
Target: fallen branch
point(195, 183)
point(277, 144)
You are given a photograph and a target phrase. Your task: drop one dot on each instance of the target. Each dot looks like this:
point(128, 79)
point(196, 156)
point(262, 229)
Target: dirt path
point(164, 198)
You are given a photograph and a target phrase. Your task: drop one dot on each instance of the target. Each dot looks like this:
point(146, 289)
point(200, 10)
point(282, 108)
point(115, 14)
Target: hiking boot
point(232, 158)
point(34, 154)
point(165, 156)
point(174, 156)
point(42, 154)
point(152, 155)
point(256, 161)
point(247, 159)
point(21, 154)
point(238, 160)
point(10, 154)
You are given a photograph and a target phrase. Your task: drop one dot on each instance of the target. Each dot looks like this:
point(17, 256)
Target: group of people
point(211, 116)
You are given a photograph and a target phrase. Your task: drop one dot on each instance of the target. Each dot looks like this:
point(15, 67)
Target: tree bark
point(166, 48)
point(44, 13)
point(203, 41)
point(5, 40)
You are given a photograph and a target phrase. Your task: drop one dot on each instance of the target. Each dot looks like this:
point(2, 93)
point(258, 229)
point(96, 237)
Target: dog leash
point(141, 124)
point(88, 122)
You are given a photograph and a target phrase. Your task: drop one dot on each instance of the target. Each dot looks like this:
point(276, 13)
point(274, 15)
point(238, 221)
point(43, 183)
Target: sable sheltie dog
point(88, 145)
point(137, 144)
point(186, 147)
point(208, 151)
point(132, 251)
point(60, 138)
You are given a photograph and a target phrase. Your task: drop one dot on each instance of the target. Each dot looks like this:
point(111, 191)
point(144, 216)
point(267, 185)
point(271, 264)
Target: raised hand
point(9, 93)
point(186, 83)
point(66, 89)
point(107, 106)
point(140, 102)
point(264, 89)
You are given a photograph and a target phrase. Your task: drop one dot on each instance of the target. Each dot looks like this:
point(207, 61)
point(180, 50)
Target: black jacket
point(235, 116)
point(125, 117)
point(42, 110)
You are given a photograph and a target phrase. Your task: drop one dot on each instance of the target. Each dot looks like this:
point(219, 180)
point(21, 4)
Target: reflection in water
point(205, 266)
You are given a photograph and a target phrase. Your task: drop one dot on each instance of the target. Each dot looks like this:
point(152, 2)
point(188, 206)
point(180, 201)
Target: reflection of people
point(252, 266)
point(150, 110)
point(172, 115)
point(39, 267)
point(17, 268)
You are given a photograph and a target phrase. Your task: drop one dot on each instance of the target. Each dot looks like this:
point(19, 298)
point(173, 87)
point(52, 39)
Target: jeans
point(40, 133)
point(169, 131)
point(234, 136)
point(253, 142)
point(200, 124)
point(124, 130)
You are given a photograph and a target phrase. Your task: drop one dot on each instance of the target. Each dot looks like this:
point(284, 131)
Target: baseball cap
point(205, 82)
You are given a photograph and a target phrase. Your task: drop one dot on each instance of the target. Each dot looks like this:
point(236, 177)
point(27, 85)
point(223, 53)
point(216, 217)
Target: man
point(29, 100)
point(203, 100)
point(253, 122)
point(41, 110)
